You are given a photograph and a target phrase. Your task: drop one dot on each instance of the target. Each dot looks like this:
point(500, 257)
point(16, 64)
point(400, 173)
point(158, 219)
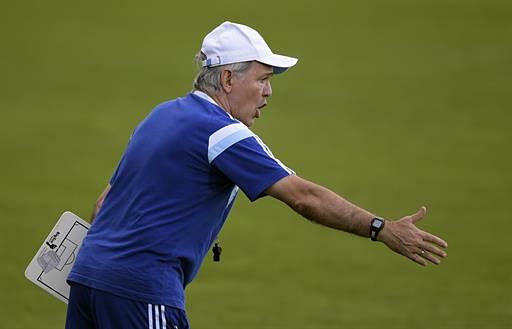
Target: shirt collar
point(207, 97)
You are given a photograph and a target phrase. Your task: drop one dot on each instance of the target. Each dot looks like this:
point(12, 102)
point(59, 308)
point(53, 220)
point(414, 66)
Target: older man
point(176, 183)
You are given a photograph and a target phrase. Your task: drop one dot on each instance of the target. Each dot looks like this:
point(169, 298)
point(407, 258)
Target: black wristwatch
point(376, 226)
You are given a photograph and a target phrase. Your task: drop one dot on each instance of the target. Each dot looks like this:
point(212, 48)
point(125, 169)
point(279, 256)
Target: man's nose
point(267, 90)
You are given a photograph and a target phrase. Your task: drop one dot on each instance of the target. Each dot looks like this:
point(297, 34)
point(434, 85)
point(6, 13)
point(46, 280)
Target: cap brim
point(279, 63)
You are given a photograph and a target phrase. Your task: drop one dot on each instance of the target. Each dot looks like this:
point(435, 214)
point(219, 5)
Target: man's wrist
point(376, 226)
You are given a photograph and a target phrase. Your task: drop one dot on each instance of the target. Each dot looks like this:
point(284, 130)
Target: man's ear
point(226, 80)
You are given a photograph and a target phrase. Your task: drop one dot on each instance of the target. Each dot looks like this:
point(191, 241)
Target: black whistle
point(217, 250)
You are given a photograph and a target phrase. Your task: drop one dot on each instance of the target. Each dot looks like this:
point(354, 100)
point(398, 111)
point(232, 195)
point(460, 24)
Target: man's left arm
point(325, 207)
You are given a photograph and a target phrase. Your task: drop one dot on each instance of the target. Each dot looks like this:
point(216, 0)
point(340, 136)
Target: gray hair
point(208, 78)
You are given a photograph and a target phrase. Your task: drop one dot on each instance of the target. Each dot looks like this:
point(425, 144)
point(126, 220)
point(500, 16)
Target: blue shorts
point(90, 308)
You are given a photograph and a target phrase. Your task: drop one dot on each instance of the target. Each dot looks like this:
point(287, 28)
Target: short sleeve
point(249, 164)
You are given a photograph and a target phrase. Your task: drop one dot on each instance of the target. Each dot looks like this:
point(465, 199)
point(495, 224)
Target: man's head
point(236, 67)
point(234, 43)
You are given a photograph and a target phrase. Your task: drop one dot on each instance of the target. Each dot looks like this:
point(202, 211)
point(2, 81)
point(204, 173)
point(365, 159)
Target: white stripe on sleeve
point(223, 138)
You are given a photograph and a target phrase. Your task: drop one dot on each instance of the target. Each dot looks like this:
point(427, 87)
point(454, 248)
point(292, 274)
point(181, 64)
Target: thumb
point(419, 215)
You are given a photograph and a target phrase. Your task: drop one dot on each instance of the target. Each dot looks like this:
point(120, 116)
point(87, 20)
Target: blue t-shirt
point(170, 195)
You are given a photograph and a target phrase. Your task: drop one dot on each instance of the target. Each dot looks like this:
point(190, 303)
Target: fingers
point(434, 239)
point(422, 256)
point(431, 258)
point(432, 249)
point(419, 215)
point(405, 238)
point(418, 259)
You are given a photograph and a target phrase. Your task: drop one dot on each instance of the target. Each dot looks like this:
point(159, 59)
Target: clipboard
point(53, 261)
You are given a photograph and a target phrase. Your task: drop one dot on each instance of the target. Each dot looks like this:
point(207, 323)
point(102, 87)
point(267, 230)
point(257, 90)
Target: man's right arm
point(99, 202)
point(325, 207)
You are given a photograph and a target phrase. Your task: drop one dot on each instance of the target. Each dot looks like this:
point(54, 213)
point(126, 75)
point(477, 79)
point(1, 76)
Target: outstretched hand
point(403, 237)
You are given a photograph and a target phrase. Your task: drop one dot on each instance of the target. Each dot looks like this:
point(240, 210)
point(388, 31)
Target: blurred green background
point(394, 104)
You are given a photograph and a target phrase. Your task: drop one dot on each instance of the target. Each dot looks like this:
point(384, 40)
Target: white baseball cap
point(233, 43)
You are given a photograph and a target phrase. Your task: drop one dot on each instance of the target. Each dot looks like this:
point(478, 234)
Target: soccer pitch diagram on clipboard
point(52, 263)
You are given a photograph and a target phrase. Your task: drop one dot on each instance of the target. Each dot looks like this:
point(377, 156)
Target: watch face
point(376, 225)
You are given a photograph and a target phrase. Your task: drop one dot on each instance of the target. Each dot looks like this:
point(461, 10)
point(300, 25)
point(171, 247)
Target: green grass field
point(394, 104)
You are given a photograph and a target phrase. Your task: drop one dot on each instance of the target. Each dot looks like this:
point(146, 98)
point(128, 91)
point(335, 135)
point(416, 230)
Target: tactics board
point(52, 263)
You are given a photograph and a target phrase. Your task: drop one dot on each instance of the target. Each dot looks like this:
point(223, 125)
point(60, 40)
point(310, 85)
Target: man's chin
point(250, 123)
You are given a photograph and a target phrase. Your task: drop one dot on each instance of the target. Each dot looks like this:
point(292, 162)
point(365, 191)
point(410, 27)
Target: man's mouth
point(258, 110)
